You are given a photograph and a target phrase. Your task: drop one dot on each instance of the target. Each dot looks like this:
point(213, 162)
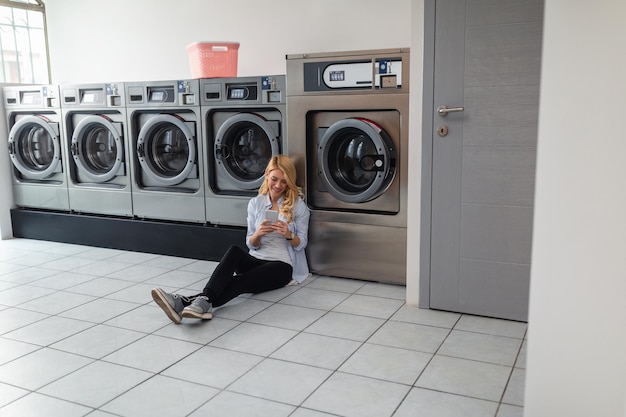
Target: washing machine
point(166, 148)
point(347, 130)
point(36, 146)
point(244, 126)
point(98, 166)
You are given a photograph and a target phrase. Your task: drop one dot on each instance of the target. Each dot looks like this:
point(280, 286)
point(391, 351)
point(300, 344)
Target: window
point(23, 37)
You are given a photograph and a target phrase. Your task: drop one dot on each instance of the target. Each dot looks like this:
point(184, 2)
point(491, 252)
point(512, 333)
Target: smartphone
point(272, 215)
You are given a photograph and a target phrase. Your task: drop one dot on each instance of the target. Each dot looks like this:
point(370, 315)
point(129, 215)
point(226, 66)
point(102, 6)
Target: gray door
point(487, 56)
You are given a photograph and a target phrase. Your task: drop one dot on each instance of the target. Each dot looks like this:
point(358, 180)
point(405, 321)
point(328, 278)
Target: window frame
point(37, 6)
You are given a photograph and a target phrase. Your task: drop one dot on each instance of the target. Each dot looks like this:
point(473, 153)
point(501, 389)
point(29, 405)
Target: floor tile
point(197, 331)
point(56, 302)
point(236, 405)
point(219, 367)
point(317, 350)
point(356, 396)
point(168, 397)
point(32, 404)
point(152, 353)
point(280, 381)
point(30, 259)
point(510, 411)
point(376, 289)
point(63, 280)
point(99, 287)
point(100, 310)
point(348, 326)
point(364, 305)
point(315, 298)
point(146, 318)
point(496, 327)
point(101, 268)
point(8, 394)
point(305, 412)
point(22, 294)
point(66, 263)
point(177, 278)
point(426, 403)
point(133, 257)
point(98, 341)
point(14, 318)
point(336, 284)
point(481, 347)
point(169, 262)
point(48, 331)
point(137, 293)
point(241, 308)
point(514, 394)
point(99, 253)
point(521, 357)
point(464, 377)
point(425, 316)
point(387, 363)
point(254, 339)
point(410, 336)
point(95, 384)
point(27, 275)
point(138, 273)
point(39, 368)
point(287, 316)
point(13, 349)
point(67, 249)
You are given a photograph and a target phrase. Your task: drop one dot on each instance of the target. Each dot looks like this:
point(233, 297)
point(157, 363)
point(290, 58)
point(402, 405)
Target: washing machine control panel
point(368, 74)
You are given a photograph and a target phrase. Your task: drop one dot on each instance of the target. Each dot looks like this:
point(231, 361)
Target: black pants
point(239, 273)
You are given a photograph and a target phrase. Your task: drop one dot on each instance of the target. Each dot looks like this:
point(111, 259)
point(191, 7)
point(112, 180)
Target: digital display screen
point(337, 75)
point(157, 96)
point(89, 98)
point(237, 93)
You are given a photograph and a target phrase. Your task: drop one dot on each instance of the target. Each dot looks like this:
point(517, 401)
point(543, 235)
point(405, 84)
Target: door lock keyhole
point(442, 130)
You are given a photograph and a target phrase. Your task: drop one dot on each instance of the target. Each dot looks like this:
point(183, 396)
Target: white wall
point(121, 40)
point(576, 363)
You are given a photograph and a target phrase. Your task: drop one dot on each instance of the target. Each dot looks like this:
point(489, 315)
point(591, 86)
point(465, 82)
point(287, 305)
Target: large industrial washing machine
point(94, 117)
point(347, 130)
point(244, 126)
point(166, 147)
point(36, 146)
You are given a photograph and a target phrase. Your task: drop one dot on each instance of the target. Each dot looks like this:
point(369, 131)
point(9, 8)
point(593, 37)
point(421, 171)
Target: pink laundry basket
point(213, 59)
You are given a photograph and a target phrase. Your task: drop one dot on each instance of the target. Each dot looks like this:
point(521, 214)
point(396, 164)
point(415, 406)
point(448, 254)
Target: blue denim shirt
point(299, 226)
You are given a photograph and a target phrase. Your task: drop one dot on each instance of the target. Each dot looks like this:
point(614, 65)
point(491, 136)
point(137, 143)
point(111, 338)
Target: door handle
point(444, 110)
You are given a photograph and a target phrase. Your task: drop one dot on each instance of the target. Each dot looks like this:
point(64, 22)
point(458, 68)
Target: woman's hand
point(265, 228)
point(281, 228)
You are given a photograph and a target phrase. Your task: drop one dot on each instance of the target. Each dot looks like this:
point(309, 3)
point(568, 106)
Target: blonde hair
point(286, 165)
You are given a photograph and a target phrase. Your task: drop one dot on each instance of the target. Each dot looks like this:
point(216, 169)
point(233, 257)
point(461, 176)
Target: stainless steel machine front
point(347, 130)
point(166, 149)
point(36, 146)
point(244, 126)
point(99, 179)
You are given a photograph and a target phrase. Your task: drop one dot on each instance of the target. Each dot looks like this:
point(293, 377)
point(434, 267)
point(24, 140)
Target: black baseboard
point(195, 241)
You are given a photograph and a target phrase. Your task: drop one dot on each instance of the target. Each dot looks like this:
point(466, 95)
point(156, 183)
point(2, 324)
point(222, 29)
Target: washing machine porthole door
point(35, 148)
point(97, 148)
point(244, 145)
point(166, 149)
point(356, 160)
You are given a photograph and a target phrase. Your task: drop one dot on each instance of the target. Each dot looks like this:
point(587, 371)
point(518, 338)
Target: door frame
point(428, 97)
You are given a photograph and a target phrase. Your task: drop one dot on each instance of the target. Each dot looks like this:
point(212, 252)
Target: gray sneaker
point(171, 304)
point(200, 308)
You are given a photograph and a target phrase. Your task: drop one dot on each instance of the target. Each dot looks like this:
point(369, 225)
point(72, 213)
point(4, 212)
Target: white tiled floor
point(80, 335)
